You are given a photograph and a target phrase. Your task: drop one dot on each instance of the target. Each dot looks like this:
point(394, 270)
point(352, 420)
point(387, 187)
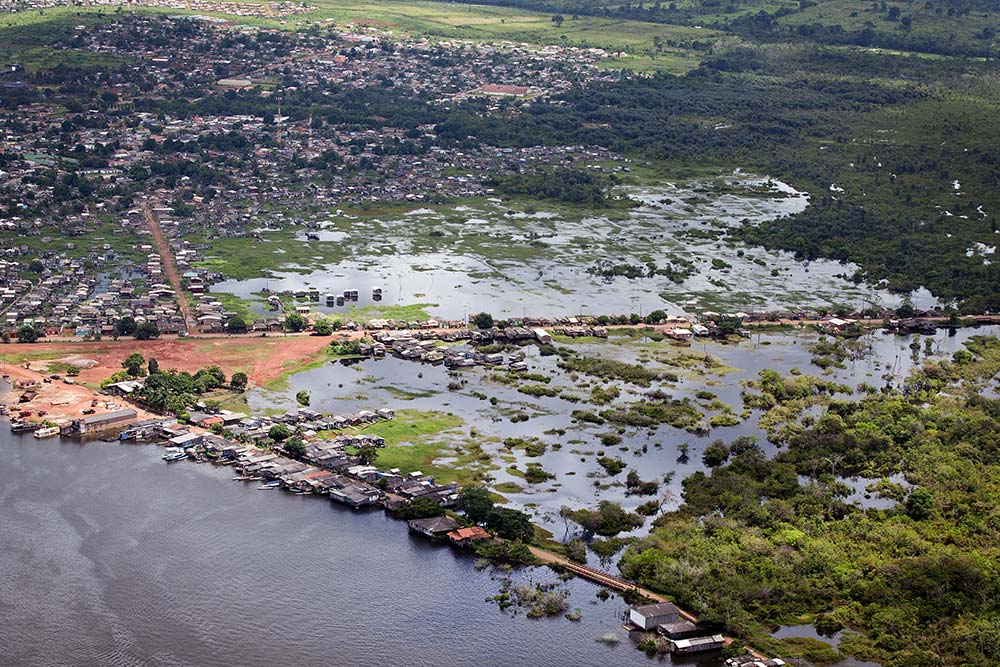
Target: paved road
point(169, 265)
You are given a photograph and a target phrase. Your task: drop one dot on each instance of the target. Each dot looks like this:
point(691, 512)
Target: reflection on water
point(810, 632)
point(573, 446)
point(108, 556)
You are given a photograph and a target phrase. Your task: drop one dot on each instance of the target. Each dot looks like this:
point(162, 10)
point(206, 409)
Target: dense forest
point(880, 153)
point(761, 542)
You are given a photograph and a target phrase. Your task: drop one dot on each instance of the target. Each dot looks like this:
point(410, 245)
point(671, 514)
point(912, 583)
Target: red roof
point(208, 421)
point(471, 533)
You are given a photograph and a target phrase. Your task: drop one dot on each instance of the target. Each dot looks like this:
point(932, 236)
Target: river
point(109, 556)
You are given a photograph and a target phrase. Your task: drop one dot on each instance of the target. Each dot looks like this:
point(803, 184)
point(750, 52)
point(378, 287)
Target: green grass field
point(407, 17)
point(926, 22)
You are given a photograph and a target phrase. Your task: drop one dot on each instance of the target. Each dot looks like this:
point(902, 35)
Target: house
point(697, 645)
point(649, 616)
point(92, 423)
point(353, 495)
point(186, 440)
point(125, 388)
point(433, 527)
point(753, 661)
point(678, 630)
point(542, 336)
point(468, 536)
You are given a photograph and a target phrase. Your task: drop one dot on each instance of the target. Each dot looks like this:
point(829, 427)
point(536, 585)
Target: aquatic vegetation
point(607, 520)
point(610, 369)
point(773, 540)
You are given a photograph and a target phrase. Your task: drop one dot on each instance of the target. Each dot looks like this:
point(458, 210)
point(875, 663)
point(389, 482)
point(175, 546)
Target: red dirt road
point(169, 265)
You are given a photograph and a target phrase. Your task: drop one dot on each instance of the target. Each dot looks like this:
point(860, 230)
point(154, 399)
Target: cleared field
point(453, 21)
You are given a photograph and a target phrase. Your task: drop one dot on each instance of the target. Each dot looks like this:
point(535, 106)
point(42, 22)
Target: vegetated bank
point(759, 542)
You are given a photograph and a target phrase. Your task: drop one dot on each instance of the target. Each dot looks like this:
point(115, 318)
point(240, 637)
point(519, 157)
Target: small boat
point(46, 432)
point(295, 489)
point(174, 454)
point(19, 426)
point(273, 484)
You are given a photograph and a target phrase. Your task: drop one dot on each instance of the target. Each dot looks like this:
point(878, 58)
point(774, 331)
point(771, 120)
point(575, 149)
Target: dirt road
point(169, 265)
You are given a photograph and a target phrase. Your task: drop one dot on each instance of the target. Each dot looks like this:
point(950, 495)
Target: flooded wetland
point(670, 251)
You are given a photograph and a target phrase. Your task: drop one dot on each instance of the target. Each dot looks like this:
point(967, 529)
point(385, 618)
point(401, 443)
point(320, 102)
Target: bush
point(421, 508)
point(483, 321)
point(715, 454)
point(238, 382)
point(607, 520)
point(323, 327)
point(576, 550)
point(535, 474)
point(295, 447)
point(612, 466)
point(295, 322)
point(279, 433)
point(514, 554)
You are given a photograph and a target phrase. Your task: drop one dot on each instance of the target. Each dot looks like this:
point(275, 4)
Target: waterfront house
point(678, 630)
point(468, 536)
point(750, 660)
point(649, 616)
point(697, 644)
point(354, 495)
point(92, 423)
point(434, 526)
point(186, 440)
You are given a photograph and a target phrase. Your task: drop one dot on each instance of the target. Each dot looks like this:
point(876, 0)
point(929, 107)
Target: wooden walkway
point(616, 583)
point(605, 579)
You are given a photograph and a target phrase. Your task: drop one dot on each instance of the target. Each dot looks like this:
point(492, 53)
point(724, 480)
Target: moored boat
point(19, 426)
point(174, 454)
point(46, 432)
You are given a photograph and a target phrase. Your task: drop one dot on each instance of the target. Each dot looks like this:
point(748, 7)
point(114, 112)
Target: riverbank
point(783, 352)
point(52, 399)
point(267, 358)
point(249, 470)
point(100, 543)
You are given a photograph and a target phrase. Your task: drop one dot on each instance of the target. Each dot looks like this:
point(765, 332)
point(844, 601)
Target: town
point(109, 268)
point(527, 332)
